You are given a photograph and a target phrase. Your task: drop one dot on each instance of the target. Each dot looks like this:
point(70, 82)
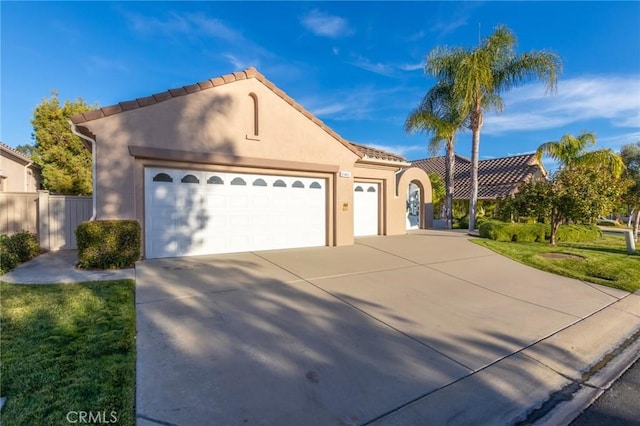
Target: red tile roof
point(251, 72)
point(377, 153)
point(497, 177)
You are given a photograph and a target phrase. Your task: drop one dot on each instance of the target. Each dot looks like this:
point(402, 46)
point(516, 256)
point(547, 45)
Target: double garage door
point(190, 212)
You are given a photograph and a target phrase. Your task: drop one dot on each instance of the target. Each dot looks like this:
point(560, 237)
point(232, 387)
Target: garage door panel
point(206, 213)
point(365, 208)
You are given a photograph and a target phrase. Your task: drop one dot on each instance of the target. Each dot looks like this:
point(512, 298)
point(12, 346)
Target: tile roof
point(18, 154)
point(250, 72)
point(376, 153)
point(497, 177)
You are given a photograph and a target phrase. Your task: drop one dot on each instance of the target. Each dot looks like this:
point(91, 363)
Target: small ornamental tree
point(631, 157)
point(576, 194)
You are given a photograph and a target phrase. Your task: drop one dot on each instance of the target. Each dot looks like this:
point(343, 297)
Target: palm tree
point(570, 152)
point(437, 114)
point(480, 76)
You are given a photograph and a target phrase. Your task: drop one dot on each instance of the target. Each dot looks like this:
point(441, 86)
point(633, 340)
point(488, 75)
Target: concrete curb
point(593, 388)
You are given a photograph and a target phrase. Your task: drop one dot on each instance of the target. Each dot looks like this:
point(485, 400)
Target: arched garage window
point(259, 182)
point(238, 181)
point(315, 185)
point(215, 180)
point(280, 183)
point(359, 189)
point(298, 184)
point(162, 177)
point(371, 189)
point(190, 179)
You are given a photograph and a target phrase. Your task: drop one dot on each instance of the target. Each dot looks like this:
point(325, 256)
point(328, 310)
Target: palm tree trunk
point(476, 124)
point(636, 225)
point(450, 171)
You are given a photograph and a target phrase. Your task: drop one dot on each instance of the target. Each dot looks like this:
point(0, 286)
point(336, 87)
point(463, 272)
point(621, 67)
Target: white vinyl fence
point(53, 217)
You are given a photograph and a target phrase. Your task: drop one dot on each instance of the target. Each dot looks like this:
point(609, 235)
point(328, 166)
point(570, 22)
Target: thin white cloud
point(325, 25)
point(375, 67)
point(239, 63)
point(361, 103)
point(411, 67)
point(189, 24)
point(382, 68)
point(615, 99)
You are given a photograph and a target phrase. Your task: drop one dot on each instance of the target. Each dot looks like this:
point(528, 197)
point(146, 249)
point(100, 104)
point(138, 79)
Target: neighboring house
point(17, 171)
point(234, 164)
point(497, 177)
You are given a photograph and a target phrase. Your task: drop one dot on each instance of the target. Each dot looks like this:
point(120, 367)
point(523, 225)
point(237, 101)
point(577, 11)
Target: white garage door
point(189, 212)
point(365, 208)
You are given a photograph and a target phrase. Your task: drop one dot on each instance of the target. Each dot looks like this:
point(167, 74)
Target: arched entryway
point(414, 183)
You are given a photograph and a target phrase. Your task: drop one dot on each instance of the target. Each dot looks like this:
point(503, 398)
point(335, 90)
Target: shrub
point(108, 244)
point(16, 249)
point(578, 233)
point(523, 232)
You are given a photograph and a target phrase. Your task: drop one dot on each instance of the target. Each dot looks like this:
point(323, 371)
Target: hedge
point(16, 249)
point(503, 231)
point(537, 232)
point(577, 233)
point(108, 244)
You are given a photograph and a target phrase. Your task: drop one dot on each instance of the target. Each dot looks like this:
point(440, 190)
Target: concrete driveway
point(425, 328)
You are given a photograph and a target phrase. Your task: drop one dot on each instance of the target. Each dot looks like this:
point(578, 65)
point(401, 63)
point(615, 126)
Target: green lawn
point(605, 261)
point(67, 348)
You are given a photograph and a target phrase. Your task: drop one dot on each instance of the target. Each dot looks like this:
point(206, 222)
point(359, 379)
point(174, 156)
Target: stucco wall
point(216, 121)
point(18, 178)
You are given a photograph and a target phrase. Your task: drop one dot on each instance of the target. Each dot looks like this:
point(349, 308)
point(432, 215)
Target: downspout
point(26, 176)
point(75, 131)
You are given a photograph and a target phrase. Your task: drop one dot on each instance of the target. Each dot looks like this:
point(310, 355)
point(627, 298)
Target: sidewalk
point(59, 267)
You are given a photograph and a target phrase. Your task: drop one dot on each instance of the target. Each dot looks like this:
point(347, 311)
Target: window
point(315, 185)
point(280, 183)
point(359, 189)
point(190, 179)
point(215, 180)
point(298, 184)
point(259, 182)
point(162, 177)
point(371, 189)
point(238, 181)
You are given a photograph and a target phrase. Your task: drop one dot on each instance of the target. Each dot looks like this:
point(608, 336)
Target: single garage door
point(190, 212)
point(365, 208)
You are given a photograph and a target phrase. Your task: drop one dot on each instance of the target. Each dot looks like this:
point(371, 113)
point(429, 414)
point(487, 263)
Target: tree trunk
point(475, 150)
point(555, 224)
point(450, 171)
point(636, 225)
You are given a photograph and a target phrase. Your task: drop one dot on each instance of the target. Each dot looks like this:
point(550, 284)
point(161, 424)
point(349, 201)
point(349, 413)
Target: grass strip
point(68, 349)
point(604, 261)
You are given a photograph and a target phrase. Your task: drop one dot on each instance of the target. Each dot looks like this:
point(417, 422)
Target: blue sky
point(355, 65)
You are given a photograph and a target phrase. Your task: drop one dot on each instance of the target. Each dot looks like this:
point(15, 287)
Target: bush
point(523, 232)
point(108, 244)
point(16, 249)
point(578, 233)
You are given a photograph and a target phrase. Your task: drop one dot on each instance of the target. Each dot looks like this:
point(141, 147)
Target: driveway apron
point(341, 335)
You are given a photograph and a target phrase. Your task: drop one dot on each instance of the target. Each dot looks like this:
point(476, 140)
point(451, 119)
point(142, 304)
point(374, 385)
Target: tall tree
point(630, 155)
point(26, 149)
point(62, 156)
point(481, 75)
point(439, 116)
point(570, 151)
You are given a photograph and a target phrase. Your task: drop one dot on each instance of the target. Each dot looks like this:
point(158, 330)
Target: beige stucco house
point(234, 164)
point(17, 171)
